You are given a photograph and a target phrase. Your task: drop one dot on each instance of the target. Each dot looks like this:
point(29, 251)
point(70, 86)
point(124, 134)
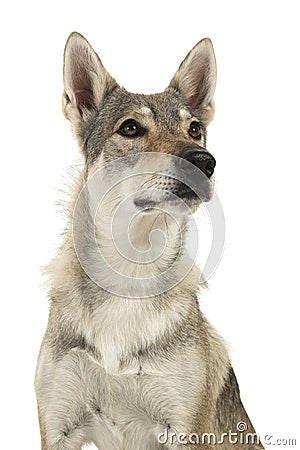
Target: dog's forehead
point(163, 107)
point(166, 107)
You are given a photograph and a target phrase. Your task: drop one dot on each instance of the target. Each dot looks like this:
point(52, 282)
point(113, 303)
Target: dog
point(128, 361)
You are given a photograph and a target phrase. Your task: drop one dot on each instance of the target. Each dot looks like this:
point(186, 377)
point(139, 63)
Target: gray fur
point(119, 371)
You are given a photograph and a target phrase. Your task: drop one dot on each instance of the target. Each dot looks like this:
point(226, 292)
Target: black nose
point(203, 160)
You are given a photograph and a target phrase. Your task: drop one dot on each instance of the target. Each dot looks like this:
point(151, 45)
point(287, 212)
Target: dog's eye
point(195, 130)
point(131, 128)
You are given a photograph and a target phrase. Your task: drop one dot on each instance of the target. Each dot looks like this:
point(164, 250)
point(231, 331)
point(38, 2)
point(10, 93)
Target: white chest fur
point(120, 327)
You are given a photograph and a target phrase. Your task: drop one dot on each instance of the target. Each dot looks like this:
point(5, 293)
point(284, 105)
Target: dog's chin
point(183, 202)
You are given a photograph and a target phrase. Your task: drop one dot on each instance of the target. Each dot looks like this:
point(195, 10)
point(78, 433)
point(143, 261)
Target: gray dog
point(128, 361)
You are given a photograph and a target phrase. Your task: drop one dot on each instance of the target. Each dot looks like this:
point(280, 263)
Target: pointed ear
point(196, 79)
point(86, 82)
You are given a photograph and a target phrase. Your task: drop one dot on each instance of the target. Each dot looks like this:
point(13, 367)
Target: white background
point(254, 296)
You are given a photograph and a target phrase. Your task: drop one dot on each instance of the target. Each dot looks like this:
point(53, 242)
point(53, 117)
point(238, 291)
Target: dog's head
point(111, 123)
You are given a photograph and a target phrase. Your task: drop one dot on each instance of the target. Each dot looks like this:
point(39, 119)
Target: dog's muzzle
point(201, 159)
point(196, 167)
point(187, 178)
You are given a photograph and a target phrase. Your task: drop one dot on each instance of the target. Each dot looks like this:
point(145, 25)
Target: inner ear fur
point(196, 79)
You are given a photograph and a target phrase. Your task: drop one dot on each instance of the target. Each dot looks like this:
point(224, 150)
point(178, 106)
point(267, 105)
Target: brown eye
point(131, 128)
point(195, 130)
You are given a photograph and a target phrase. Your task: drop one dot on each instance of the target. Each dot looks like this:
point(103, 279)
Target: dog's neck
point(142, 257)
point(142, 246)
point(138, 247)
